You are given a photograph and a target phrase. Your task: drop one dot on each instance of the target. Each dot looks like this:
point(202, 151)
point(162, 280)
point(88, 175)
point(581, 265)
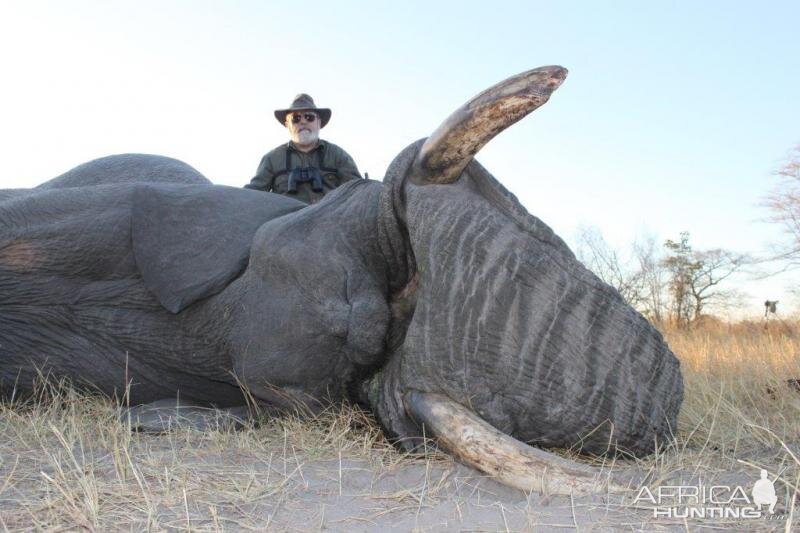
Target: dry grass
point(737, 399)
point(740, 413)
point(67, 462)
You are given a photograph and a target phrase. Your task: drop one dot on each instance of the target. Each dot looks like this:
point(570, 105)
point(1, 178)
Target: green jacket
point(273, 174)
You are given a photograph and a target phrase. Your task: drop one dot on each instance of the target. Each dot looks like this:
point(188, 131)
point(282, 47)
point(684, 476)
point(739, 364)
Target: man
point(306, 167)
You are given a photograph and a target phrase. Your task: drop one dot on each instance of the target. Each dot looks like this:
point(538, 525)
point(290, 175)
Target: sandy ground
point(194, 482)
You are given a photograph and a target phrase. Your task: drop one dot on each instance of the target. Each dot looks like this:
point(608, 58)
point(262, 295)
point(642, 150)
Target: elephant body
point(100, 284)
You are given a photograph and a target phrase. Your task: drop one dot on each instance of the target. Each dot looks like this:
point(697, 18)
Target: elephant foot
point(165, 415)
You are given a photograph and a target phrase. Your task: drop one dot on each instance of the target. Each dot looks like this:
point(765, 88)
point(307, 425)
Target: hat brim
point(323, 112)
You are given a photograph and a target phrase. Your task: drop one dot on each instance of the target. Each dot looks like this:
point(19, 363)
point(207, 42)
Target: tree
point(638, 276)
point(680, 285)
point(599, 257)
point(652, 274)
point(681, 267)
point(784, 203)
point(713, 267)
point(695, 276)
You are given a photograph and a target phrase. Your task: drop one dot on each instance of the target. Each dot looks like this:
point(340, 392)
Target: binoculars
point(305, 174)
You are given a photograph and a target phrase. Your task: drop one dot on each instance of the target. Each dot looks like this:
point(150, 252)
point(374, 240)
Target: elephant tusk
point(451, 147)
point(513, 463)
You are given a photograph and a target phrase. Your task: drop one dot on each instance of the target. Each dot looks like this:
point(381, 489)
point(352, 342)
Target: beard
point(305, 137)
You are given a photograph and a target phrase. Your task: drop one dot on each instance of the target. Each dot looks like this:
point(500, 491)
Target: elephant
point(432, 298)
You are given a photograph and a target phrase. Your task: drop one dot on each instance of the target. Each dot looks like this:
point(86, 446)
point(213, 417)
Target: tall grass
point(737, 386)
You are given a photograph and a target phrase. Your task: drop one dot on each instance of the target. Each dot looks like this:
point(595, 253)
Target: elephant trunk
point(508, 322)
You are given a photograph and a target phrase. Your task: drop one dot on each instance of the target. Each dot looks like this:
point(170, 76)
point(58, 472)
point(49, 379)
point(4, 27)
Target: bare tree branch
point(784, 204)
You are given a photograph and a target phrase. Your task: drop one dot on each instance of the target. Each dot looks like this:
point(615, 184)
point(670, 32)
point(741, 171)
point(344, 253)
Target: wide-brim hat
point(303, 102)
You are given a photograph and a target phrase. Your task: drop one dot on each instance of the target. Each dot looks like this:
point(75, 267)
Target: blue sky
point(673, 116)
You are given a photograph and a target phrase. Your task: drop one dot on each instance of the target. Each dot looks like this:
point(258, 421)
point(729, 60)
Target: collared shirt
point(273, 175)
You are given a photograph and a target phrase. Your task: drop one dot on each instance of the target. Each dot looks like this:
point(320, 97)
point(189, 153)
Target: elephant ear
point(190, 241)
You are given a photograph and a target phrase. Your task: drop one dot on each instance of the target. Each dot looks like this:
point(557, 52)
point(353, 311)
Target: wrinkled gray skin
point(136, 270)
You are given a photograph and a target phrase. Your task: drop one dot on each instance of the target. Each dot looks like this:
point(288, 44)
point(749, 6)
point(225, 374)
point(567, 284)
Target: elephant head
point(506, 338)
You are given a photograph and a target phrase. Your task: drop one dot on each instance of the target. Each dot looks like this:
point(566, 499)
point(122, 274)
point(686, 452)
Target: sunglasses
point(310, 117)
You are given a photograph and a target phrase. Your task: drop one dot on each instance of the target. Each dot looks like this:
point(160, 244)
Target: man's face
point(303, 127)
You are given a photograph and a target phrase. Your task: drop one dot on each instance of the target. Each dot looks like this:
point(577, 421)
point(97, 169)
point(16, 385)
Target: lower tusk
point(513, 463)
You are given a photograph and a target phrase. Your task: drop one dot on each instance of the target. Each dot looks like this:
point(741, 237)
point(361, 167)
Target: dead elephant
point(433, 298)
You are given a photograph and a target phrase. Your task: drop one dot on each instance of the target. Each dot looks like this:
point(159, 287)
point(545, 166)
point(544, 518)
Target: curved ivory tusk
point(450, 148)
point(514, 463)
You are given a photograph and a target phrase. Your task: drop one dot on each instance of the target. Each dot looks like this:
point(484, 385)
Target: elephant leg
point(171, 413)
